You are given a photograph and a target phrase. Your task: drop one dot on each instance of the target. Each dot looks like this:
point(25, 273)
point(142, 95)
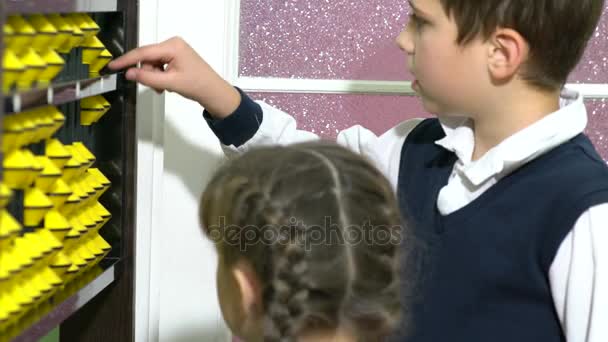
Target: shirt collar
point(520, 148)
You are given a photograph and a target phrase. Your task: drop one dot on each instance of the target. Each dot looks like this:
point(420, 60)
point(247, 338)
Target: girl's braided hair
point(322, 229)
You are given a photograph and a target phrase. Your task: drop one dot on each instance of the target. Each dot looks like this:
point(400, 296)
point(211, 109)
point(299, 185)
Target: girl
point(307, 237)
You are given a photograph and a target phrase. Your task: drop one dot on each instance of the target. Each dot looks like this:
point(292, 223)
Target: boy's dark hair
point(291, 192)
point(556, 30)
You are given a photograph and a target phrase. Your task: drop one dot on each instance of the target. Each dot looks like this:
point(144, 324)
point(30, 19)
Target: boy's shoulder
point(571, 174)
point(427, 131)
point(583, 154)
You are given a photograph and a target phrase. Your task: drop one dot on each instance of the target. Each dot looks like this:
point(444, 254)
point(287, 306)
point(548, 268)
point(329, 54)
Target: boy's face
point(449, 77)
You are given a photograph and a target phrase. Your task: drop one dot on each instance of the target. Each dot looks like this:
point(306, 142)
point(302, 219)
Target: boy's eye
point(417, 21)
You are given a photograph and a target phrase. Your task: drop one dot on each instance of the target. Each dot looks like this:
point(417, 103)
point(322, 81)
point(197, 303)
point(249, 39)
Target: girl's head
point(308, 239)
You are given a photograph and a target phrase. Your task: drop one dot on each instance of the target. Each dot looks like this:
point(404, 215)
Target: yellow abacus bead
point(59, 193)
point(36, 205)
point(9, 226)
point(57, 153)
point(49, 175)
point(92, 47)
point(5, 196)
point(12, 69)
point(45, 32)
point(86, 24)
point(23, 34)
point(54, 65)
point(57, 117)
point(77, 36)
point(57, 224)
point(64, 34)
point(17, 169)
point(102, 60)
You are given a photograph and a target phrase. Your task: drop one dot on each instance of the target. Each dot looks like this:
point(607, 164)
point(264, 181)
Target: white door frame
point(149, 122)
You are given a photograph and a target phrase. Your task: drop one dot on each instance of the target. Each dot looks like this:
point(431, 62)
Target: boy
point(504, 187)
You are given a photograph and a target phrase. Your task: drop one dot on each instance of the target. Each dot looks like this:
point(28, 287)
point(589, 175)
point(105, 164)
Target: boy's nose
point(404, 41)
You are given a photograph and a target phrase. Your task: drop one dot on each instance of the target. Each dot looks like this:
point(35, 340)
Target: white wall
point(180, 302)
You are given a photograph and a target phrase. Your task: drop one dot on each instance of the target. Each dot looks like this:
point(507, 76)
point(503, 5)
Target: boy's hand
point(174, 66)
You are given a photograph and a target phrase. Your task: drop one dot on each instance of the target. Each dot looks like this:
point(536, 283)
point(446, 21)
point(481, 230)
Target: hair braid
point(285, 294)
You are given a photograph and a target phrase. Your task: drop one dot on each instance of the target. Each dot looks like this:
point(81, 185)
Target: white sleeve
point(280, 128)
point(579, 278)
point(277, 128)
point(383, 151)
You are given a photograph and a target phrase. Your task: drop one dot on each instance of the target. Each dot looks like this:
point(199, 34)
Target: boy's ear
point(507, 52)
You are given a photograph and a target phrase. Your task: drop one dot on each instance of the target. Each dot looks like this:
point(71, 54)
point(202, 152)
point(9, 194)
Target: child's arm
point(256, 124)
point(238, 121)
point(579, 278)
point(174, 66)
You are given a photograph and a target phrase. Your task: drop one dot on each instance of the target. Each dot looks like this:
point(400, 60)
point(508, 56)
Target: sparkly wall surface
point(594, 66)
point(326, 114)
point(344, 39)
point(322, 39)
point(597, 128)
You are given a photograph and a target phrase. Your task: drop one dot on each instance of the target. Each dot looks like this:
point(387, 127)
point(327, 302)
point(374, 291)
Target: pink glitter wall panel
point(328, 114)
point(333, 39)
point(594, 66)
point(597, 129)
point(342, 39)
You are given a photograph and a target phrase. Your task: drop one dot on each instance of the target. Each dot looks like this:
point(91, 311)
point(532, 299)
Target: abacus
point(67, 176)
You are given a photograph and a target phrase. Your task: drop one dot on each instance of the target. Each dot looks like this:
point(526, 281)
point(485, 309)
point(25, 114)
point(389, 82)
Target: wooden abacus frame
point(103, 309)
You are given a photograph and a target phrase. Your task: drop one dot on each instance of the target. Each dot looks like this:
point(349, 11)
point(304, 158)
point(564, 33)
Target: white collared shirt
point(579, 273)
point(470, 179)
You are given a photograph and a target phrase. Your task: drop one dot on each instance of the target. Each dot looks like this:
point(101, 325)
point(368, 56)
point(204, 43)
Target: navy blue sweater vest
point(480, 274)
